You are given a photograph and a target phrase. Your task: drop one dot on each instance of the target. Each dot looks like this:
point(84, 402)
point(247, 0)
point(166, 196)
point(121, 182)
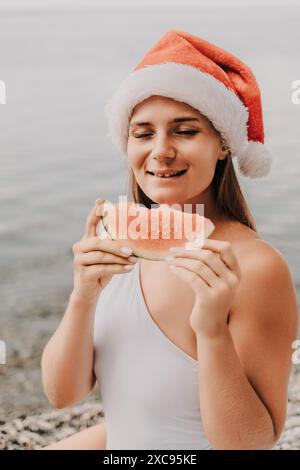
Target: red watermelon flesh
point(150, 233)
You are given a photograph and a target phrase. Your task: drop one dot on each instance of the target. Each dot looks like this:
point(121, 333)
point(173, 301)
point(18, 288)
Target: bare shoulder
point(250, 248)
point(266, 279)
point(257, 256)
point(264, 269)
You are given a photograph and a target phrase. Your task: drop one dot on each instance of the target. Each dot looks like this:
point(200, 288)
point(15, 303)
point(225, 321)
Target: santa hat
point(213, 81)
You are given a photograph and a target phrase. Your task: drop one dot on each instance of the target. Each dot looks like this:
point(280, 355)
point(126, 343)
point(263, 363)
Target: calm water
point(56, 158)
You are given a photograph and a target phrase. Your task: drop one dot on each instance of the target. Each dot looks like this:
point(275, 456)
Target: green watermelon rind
point(105, 226)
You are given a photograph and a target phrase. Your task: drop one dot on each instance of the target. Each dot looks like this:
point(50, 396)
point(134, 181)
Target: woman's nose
point(163, 156)
point(163, 149)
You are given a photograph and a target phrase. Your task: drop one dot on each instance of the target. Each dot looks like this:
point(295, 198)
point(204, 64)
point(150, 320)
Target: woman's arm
point(67, 360)
point(244, 372)
point(93, 438)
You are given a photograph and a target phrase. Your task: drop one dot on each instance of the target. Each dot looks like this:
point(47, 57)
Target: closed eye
point(188, 132)
point(178, 132)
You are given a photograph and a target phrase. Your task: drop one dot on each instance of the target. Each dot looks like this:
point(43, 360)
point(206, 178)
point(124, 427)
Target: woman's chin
point(160, 198)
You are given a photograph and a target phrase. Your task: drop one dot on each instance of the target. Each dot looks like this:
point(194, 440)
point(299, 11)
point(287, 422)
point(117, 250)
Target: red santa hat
point(213, 81)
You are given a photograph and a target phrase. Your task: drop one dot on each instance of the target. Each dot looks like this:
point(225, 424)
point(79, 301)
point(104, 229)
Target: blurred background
point(61, 61)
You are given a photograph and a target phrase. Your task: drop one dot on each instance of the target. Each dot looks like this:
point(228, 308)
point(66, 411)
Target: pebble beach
point(39, 429)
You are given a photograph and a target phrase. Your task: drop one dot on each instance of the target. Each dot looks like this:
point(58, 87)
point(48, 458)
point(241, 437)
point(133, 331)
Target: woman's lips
point(170, 178)
point(161, 173)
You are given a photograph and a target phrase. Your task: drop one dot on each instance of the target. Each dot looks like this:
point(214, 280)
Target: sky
point(23, 4)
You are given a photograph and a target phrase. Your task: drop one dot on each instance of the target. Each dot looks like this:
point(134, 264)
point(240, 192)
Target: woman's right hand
point(96, 260)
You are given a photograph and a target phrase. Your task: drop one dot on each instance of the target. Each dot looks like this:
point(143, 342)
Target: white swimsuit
point(148, 385)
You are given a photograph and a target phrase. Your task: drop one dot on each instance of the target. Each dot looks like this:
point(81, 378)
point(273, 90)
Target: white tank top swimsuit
point(148, 385)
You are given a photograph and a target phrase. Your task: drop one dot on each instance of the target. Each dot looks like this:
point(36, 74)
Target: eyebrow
point(180, 119)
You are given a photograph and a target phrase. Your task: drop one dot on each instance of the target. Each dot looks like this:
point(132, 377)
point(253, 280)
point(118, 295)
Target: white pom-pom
point(255, 160)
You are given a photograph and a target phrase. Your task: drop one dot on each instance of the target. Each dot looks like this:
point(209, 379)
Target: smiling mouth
point(171, 176)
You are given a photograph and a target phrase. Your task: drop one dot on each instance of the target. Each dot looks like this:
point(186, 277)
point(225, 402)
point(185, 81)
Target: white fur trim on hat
point(200, 90)
point(255, 160)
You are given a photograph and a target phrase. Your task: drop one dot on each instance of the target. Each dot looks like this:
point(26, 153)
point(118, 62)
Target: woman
point(205, 362)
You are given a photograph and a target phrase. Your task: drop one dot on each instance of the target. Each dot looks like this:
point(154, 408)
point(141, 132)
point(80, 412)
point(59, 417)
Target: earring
point(225, 147)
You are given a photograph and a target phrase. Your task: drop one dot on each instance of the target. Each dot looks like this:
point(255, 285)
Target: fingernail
point(133, 259)
point(196, 242)
point(175, 249)
point(126, 250)
point(99, 200)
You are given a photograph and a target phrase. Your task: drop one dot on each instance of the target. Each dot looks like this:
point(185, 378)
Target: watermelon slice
point(150, 233)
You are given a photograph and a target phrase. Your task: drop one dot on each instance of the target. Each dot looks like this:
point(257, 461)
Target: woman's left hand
point(213, 272)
